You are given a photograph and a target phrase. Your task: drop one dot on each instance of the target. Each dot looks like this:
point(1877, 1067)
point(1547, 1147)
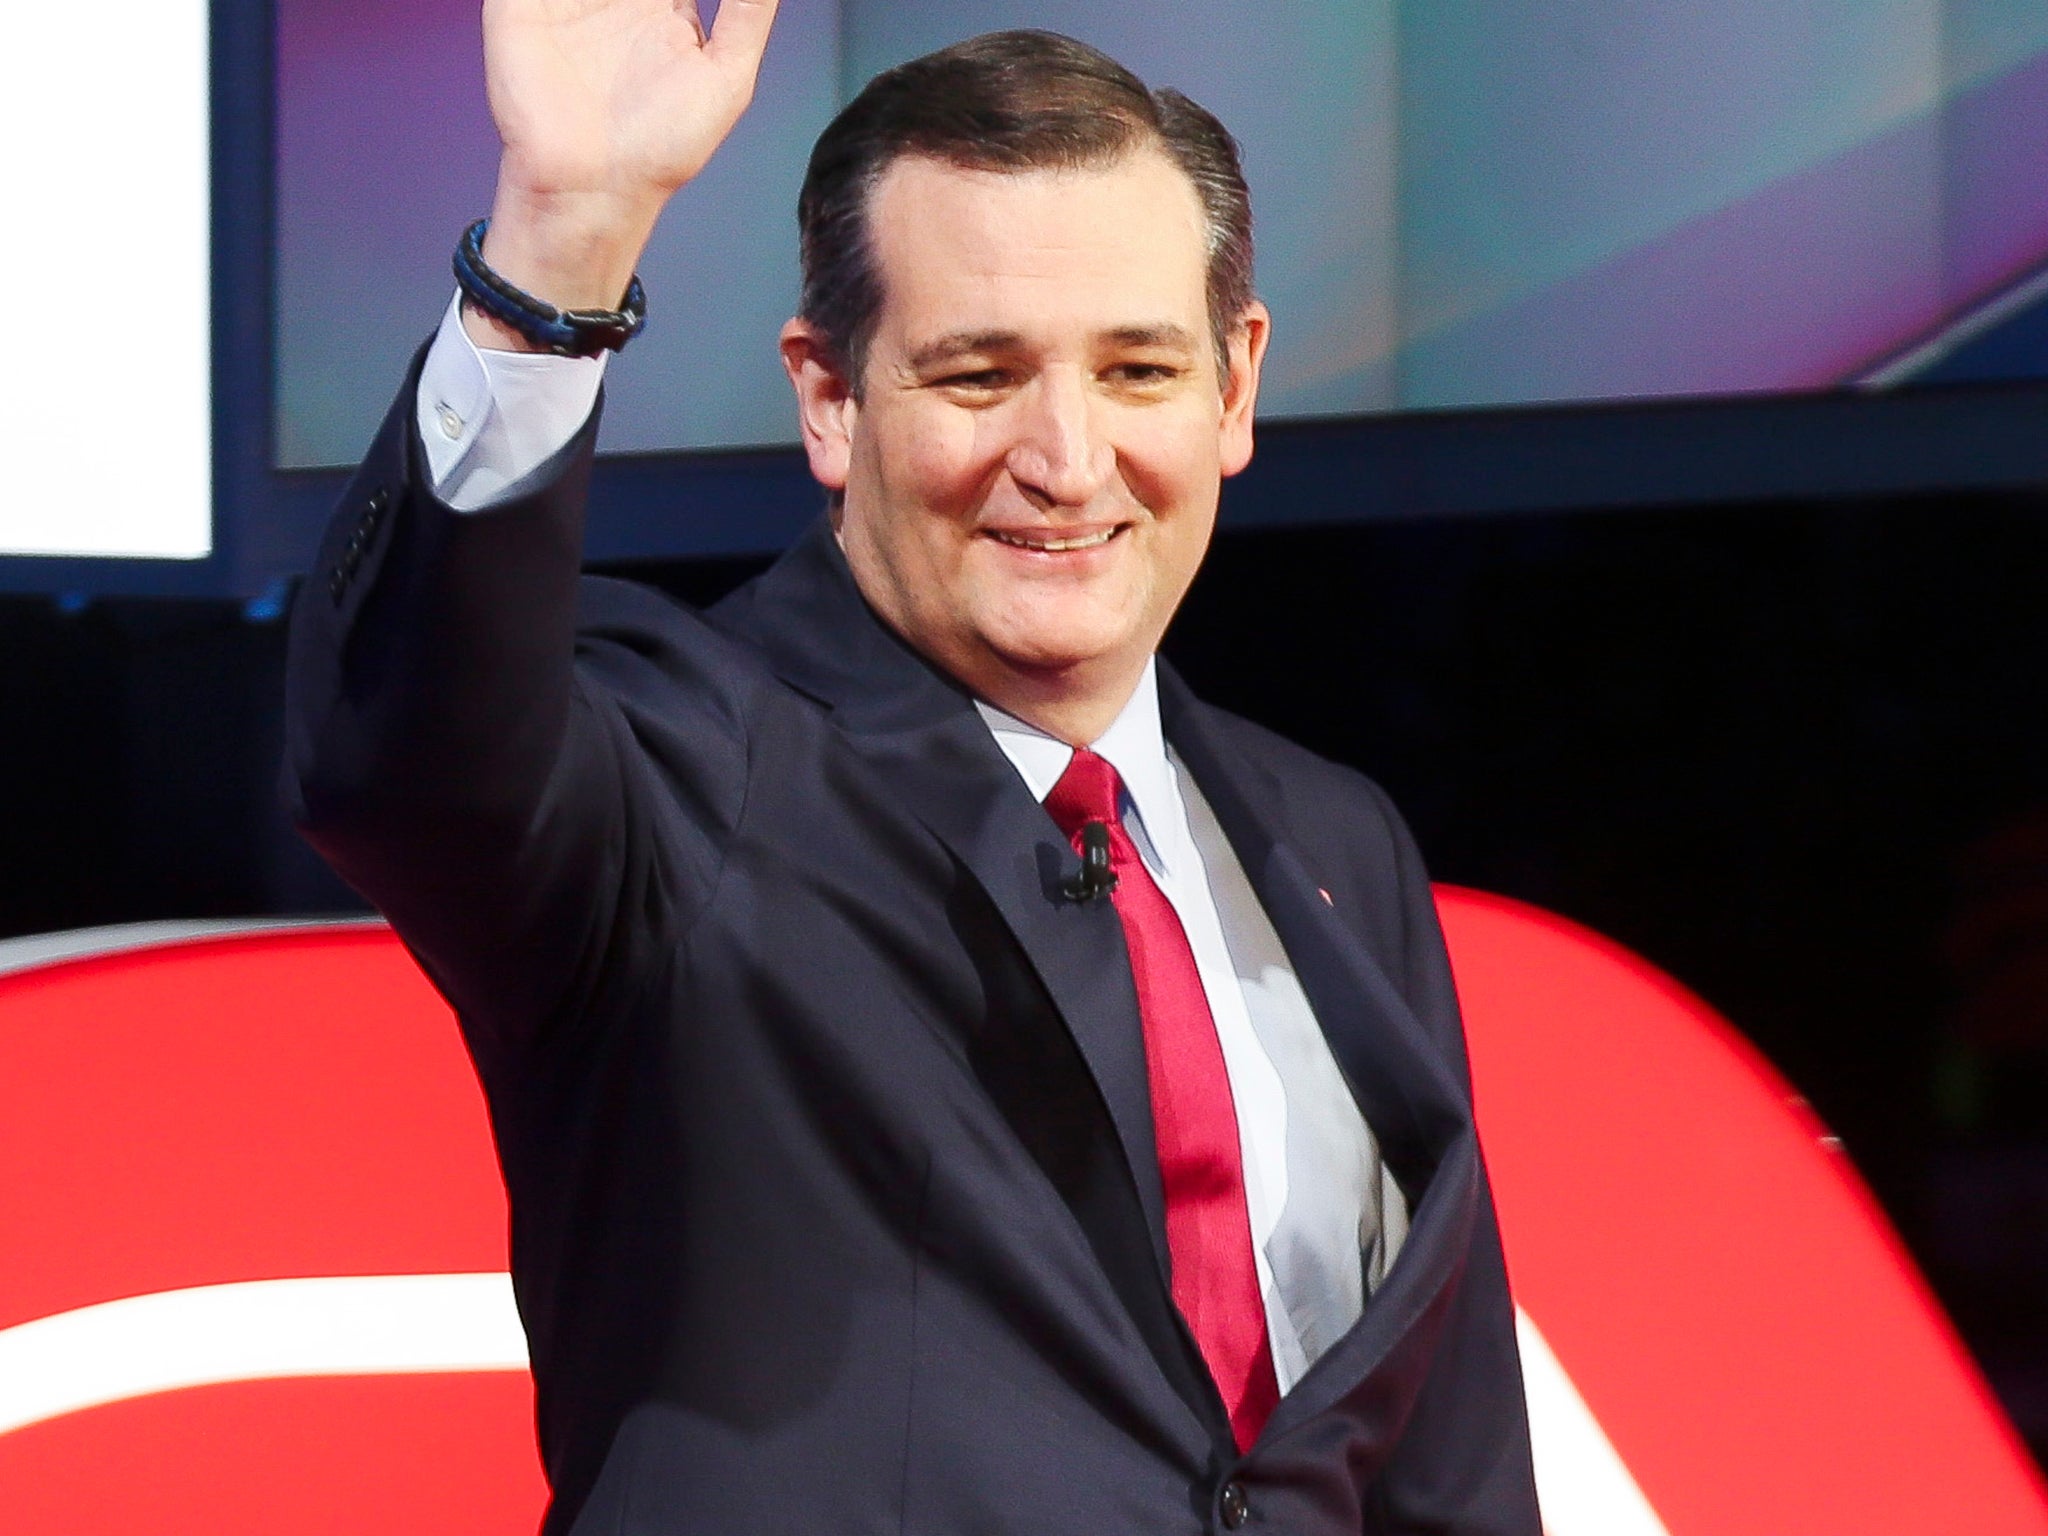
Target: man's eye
point(976, 379)
point(1145, 373)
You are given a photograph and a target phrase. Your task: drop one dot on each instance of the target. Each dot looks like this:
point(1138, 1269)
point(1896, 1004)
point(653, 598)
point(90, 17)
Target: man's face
point(1030, 470)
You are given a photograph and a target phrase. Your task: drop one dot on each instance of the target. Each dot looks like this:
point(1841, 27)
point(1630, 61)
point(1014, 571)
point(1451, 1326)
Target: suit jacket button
point(1233, 1506)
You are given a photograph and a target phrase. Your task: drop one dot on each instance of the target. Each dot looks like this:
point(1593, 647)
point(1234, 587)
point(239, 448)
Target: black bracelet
point(564, 332)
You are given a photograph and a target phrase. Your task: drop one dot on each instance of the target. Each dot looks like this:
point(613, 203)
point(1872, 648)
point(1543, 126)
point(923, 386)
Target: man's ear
point(825, 403)
point(1246, 349)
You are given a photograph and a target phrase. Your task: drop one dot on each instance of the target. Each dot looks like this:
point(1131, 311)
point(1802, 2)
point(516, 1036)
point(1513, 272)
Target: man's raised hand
point(604, 109)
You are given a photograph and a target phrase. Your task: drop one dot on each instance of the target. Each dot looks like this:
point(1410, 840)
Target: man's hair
point(1007, 101)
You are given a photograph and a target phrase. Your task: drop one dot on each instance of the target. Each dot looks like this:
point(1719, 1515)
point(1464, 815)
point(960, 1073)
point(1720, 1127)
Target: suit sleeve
point(1464, 1462)
point(462, 741)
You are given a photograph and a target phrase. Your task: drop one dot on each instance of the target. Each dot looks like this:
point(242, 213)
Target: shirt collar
point(1134, 745)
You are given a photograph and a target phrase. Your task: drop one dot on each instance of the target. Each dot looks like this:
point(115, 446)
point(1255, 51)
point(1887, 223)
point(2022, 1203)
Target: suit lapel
point(957, 781)
point(1404, 1086)
point(921, 730)
point(1408, 1093)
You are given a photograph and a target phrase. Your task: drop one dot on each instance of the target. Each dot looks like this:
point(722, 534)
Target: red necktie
point(1194, 1119)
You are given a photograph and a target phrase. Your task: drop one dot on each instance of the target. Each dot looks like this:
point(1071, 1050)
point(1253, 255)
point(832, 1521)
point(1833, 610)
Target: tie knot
point(1088, 791)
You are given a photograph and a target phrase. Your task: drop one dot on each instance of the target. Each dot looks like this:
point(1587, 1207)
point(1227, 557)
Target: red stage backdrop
point(255, 1245)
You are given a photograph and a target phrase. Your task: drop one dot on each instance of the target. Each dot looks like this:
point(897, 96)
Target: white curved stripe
point(1582, 1484)
point(39, 949)
point(370, 1325)
point(346, 1325)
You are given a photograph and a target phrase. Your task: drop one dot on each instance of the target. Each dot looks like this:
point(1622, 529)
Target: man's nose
point(1061, 454)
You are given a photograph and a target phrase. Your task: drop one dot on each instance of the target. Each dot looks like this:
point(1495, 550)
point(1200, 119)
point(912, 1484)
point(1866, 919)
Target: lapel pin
point(1326, 897)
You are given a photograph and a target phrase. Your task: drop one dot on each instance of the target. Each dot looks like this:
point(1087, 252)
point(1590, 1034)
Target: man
point(912, 1122)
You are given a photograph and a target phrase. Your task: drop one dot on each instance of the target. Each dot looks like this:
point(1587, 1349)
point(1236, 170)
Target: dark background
point(1796, 754)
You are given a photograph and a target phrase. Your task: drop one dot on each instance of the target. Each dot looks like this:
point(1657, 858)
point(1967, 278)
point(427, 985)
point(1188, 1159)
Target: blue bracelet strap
point(565, 332)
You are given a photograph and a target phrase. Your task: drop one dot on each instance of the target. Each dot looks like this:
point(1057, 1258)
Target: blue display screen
point(1460, 203)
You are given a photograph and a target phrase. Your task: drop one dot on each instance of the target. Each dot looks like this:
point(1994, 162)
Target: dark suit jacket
point(822, 1110)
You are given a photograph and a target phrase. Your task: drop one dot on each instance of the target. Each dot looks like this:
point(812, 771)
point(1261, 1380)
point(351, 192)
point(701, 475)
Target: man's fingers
point(739, 32)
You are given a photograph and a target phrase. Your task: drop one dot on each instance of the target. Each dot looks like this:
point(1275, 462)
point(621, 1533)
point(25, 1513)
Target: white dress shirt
point(493, 421)
point(1326, 1217)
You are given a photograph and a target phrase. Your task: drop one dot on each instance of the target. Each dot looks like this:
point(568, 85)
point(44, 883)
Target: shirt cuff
point(490, 420)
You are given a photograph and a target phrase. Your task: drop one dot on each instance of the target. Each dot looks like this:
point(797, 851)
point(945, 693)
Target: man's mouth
point(1046, 543)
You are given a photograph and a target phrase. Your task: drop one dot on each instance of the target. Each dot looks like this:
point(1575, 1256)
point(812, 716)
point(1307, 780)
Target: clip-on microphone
point(1096, 877)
